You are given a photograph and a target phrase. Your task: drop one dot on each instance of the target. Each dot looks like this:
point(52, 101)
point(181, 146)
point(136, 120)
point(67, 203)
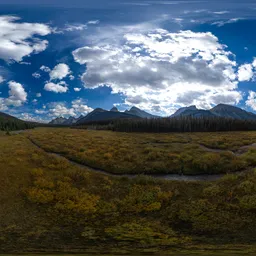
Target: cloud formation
point(17, 96)
point(60, 87)
point(21, 39)
point(158, 69)
point(59, 72)
point(251, 100)
point(78, 107)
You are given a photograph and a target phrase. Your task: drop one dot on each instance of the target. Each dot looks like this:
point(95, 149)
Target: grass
point(152, 153)
point(48, 204)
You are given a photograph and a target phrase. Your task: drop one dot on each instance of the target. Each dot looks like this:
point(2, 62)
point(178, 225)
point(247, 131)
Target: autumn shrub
point(143, 234)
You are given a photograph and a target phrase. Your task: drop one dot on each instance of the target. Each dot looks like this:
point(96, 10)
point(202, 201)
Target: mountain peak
point(140, 113)
point(114, 109)
point(99, 110)
point(225, 106)
point(182, 110)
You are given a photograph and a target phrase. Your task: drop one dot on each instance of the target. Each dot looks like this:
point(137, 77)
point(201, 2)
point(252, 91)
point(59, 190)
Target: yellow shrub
point(41, 196)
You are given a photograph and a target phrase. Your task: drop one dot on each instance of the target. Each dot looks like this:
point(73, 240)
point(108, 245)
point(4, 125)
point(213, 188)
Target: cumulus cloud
point(60, 87)
point(17, 96)
point(21, 39)
point(80, 107)
point(71, 77)
point(76, 89)
point(251, 100)
point(36, 75)
point(157, 69)
point(38, 95)
point(60, 71)
point(32, 118)
point(45, 69)
point(245, 72)
point(77, 108)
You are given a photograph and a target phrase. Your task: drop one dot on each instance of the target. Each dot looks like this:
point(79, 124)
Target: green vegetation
point(139, 153)
point(10, 123)
point(175, 124)
point(48, 204)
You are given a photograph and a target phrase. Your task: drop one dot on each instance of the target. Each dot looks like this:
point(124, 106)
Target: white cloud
point(40, 111)
point(245, 72)
point(60, 71)
point(1, 79)
point(93, 22)
point(71, 77)
point(60, 87)
point(25, 63)
point(76, 89)
point(38, 95)
point(31, 118)
point(21, 39)
point(36, 75)
point(221, 12)
point(75, 27)
point(59, 109)
point(156, 69)
point(17, 96)
point(45, 69)
point(224, 22)
point(78, 107)
point(251, 100)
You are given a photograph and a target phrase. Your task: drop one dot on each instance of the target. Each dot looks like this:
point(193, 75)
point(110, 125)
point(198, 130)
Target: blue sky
point(62, 58)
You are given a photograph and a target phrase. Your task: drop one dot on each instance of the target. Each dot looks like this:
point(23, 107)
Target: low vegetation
point(48, 204)
point(137, 153)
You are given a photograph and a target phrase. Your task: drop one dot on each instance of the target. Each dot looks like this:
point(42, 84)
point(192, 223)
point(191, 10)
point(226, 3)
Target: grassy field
point(186, 153)
point(48, 204)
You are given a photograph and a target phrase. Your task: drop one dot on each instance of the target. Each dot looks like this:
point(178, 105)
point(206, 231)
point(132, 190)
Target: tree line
point(182, 124)
point(14, 125)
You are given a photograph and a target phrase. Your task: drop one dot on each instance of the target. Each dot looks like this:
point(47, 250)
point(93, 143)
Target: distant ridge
point(140, 113)
point(224, 110)
point(221, 110)
point(65, 121)
point(99, 114)
point(114, 109)
point(182, 110)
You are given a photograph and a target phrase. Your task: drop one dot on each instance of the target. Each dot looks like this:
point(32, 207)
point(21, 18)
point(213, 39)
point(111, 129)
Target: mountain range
point(221, 110)
point(65, 121)
point(99, 114)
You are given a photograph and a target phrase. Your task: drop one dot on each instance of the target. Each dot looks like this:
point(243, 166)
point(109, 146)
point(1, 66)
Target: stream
point(173, 177)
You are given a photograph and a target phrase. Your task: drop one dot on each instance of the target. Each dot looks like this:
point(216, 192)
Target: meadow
point(48, 204)
point(143, 153)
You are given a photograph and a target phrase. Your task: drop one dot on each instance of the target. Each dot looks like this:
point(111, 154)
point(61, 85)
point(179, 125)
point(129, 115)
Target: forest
point(9, 123)
point(177, 124)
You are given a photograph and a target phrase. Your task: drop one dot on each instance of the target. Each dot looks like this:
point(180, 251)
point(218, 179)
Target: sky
point(66, 58)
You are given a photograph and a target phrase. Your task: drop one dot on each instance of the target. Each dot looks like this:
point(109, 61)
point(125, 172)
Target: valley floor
point(48, 204)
